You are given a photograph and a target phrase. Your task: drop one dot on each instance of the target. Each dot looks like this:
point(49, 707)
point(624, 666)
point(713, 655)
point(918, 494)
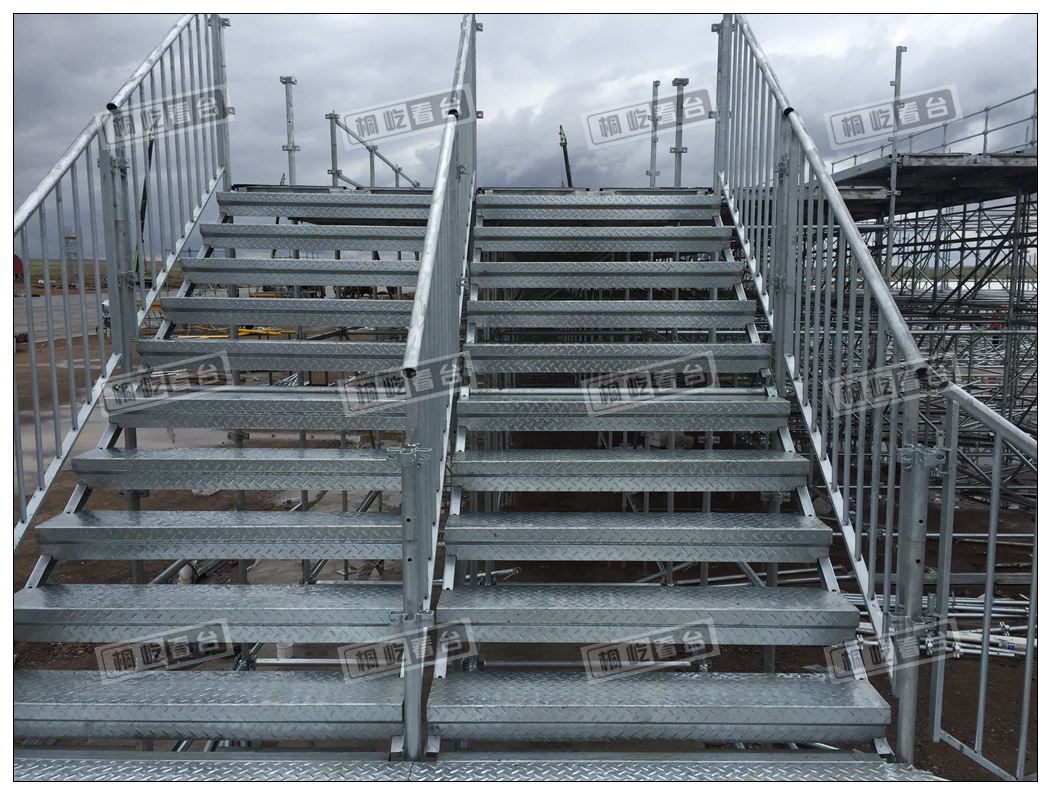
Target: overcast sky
point(534, 73)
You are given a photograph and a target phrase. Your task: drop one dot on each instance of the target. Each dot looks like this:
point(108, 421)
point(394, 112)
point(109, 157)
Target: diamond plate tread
point(712, 766)
point(611, 314)
point(602, 199)
point(628, 470)
point(706, 707)
point(310, 236)
point(303, 272)
point(620, 357)
point(255, 613)
point(338, 204)
point(70, 764)
point(255, 356)
point(618, 215)
point(605, 275)
point(711, 537)
point(221, 535)
point(260, 706)
point(709, 239)
point(570, 410)
point(67, 764)
point(266, 408)
point(615, 613)
point(247, 469)
point(325, 312)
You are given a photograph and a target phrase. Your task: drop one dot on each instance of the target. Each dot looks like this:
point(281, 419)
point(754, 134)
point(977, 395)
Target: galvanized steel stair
point(358, 336)
point(568, 319)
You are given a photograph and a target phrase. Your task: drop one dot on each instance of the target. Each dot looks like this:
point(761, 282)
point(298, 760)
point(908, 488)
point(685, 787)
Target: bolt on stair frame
point(808, 263)
point(188, 165)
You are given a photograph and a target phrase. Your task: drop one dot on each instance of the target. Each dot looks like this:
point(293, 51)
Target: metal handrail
point(90, 132)
point(891, 315)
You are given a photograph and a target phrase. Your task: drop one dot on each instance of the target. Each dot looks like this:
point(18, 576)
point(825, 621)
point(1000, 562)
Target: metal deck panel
point(295, 706)
point(255, 613)
point(303, 272)
point(325, 312)
point(706, 707)
point(628, 470)
point(598, 357)
point(606, 275)
point(614, 613)
point(611, 314)
point(612, 215)
point(713, 537)
point(312, 237)
point(221, 535)
point(568, 410)
point(593, 239)
point(337, 205)
point(600, 199)
point(283, 356)
point(250, 469)
point(267, 408)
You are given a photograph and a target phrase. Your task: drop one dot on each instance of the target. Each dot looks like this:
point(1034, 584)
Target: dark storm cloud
point(534, 74)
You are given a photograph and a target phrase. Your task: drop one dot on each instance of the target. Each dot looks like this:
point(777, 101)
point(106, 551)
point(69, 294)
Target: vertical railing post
point(723, 29)
point(652, 173)
point(781, 252)
point(290, 147)
point(219, 51)
point(679, 110)
point(916, 463)
point(334, 170)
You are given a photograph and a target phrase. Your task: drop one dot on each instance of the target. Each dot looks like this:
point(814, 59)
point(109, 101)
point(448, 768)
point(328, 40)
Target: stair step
point(611, 314)
point(628, 470)
point(221, 535)
point(591, 239)
point(325, 312)
point(605, 275)
point(74, 764)
point(254, 613)
point(570, 200)
point(710, 537)
point(260, 706)
point(704, 707)
point(249, 355)
point(303, 272)
point(267, 408)
point(338, 204)
point(569, 410)
point(615, 613)
point(591, 357)
point(313, 237)
point(247, 469)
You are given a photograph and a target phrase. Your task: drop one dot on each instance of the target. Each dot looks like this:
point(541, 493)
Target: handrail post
point(334, 170)
point(784, 203)
point(721, 98)
point(290, 147)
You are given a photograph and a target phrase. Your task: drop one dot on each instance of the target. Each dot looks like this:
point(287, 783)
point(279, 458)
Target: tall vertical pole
point(679, 110)
point(564, 143)
point(723, 29)
point(652, 172)
point(290, 147)
point(893, 163)
point(334, 171)
point(220, 72)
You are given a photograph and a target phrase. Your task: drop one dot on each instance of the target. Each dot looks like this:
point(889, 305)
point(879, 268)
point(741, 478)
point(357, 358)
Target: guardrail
point(433, 348)
point(964, 124)
point(864, 389)
point(162, 150)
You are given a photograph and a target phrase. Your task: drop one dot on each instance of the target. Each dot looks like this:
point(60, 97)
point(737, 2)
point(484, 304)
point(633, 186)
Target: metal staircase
point(628, 375)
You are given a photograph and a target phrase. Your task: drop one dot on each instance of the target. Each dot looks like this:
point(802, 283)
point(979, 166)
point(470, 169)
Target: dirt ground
point(1005, 681)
